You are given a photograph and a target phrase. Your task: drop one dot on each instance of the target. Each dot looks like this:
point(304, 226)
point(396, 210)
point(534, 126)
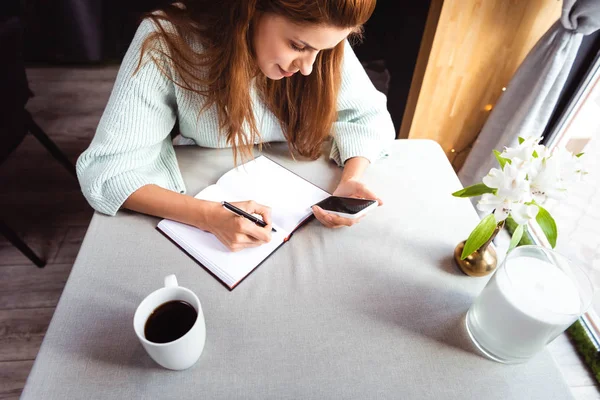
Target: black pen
point(244, 214)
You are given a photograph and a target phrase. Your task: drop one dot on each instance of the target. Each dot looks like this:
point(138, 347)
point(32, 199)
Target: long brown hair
point(224, 69)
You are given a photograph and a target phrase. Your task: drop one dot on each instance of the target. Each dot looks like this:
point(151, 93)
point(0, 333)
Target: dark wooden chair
point(16, 122)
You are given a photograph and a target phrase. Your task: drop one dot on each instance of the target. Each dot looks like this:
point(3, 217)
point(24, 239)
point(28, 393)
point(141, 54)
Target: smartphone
point(347, 207)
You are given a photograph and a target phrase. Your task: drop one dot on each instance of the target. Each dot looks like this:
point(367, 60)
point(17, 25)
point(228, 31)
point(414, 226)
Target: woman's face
point(284, 48)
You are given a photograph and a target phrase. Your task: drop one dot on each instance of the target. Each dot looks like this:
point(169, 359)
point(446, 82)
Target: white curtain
point(526, 106)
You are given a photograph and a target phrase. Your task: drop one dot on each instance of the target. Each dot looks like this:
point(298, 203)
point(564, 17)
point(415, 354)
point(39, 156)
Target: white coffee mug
point(183, 352)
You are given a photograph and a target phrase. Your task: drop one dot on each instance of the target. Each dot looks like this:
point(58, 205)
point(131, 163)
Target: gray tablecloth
point(372, 311)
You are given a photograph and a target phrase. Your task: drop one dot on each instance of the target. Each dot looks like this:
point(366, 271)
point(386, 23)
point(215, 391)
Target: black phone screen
point(346, 205)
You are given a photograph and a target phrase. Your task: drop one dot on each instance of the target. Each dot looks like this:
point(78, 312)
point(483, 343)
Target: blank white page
point(230, 267)
point(268, 183)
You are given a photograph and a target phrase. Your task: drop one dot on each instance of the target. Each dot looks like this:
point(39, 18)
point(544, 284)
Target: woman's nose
point(305, 64)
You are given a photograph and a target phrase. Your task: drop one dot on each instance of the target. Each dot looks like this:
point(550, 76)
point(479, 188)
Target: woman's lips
point(285, 73)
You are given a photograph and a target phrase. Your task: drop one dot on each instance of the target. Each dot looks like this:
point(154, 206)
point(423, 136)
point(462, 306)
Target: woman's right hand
point(237, 232)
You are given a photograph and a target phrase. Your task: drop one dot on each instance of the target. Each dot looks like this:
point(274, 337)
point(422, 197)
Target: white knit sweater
point(132, 146)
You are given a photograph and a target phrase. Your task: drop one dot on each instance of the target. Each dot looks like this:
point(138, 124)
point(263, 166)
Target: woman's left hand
point(349, 188)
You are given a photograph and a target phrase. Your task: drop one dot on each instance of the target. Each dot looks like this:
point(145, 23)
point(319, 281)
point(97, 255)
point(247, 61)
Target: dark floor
point(43, 203)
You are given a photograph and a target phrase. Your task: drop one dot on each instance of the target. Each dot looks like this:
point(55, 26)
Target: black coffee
point(170, 321)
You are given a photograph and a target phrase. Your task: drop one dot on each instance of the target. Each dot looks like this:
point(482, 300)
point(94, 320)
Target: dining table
point(372, 311)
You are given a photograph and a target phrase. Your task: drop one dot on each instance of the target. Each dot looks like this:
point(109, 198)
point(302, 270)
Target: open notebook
point(266, 182)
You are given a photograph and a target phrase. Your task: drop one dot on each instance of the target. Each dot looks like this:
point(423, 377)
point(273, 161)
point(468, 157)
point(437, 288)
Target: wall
point(477, 47)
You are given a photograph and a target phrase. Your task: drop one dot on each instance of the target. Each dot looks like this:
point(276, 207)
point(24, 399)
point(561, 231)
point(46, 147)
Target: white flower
point(545, 184)
point(523, 151)
point(535, 167)
point(554, 174)
point(532, 175)
point(534, 164)
point(540, 151)
point(569, 167)
point(501, 206)
point(527, 155)
point(511, 183)
point(523, 213)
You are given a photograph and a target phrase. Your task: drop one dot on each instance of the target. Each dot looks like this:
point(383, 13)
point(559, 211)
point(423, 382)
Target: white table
point(372, 311)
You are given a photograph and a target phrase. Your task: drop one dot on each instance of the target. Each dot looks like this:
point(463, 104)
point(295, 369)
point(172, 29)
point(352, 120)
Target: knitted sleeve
point(364, 127)
point(132, 146)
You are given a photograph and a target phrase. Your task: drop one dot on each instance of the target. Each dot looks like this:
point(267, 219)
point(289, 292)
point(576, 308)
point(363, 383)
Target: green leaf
point(579, 155)
point(479, 236)
point(516, 237)
point(535, 154)
point(527, 239)
point(548, 225)
point(521, 140)
point(474, 190)
point(511, 227)
point(501, 160)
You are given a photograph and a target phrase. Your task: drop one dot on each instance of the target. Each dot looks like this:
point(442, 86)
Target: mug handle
point(171, 281)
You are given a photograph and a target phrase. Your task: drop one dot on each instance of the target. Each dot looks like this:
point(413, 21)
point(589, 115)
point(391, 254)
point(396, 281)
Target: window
point(578, 217)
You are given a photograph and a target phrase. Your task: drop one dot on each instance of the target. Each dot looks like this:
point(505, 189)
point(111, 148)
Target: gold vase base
point(481, 262)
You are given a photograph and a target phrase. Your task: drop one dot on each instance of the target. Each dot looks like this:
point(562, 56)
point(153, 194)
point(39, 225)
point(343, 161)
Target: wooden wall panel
point(433, 16)
point(478, 46)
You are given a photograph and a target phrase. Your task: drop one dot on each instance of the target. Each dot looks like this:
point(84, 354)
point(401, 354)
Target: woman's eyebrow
point(311, 47)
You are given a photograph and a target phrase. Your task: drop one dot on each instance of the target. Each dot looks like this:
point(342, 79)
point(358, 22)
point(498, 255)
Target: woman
point(235, 73)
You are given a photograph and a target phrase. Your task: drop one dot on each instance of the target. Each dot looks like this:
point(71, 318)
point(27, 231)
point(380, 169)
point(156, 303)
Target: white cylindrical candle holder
point(534, 296)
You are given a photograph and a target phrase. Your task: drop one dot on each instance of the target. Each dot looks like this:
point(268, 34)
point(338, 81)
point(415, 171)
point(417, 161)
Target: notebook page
point(229, 266)
point(266, 182)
